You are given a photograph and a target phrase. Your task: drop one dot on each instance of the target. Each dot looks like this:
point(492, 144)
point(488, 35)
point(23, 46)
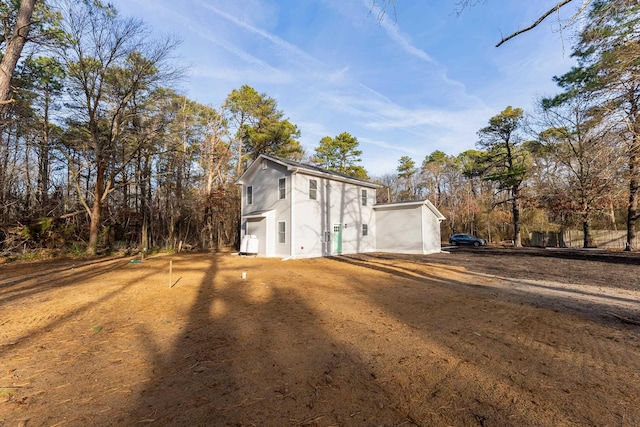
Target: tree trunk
point(634, 170)
point(13, 51)
point(586, 229)
point(515, 209)
point(96, 211)
point(144, 238)
point(4, 161)
point(27, 172)
point(43, 157)
point(612, 215)
point(632, 210)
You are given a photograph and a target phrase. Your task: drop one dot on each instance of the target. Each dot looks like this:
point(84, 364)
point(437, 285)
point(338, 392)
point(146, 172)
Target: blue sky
point(425, 80)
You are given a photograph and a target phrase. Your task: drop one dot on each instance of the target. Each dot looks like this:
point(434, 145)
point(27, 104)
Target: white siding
point(431, 238)
point(407, 228)
point(309, 218)
point(265, 198)
point(336, 203)
point(399, 230)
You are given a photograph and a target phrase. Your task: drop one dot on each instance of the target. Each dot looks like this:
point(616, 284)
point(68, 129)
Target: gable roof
point(294, 167)
point(413, 203)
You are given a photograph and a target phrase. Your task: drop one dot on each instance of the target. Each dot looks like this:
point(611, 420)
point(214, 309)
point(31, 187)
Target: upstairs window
point(249, 194)
point(364, 197)
point(282, 188)
point(365, 230)
point(313, 189)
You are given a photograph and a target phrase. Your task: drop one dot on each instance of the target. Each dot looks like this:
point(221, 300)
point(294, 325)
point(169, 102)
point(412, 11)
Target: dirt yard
point(476, 337)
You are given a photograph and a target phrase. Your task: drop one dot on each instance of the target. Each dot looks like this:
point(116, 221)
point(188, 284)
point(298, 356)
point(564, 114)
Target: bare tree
point(103, 49)
point(589, 160)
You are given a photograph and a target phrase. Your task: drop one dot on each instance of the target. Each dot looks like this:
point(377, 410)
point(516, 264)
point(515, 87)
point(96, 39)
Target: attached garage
point(261, 224)
point(408, 227)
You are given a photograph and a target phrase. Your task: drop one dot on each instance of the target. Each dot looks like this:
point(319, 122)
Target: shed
point(408, 227)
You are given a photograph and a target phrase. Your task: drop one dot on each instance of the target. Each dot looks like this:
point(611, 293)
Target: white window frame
point(363, 196)
point(313, 191)
point(249, 194)
point(282, 190)
point(365, 230)
point(282, 232)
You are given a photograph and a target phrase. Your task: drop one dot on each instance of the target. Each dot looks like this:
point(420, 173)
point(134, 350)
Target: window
point(365, 230)
point(313, 189)
point(364, 197)
point(282, 188)
point(282, 232)
point(249, 194)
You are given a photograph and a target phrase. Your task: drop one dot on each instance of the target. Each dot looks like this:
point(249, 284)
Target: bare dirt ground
point(476, 337)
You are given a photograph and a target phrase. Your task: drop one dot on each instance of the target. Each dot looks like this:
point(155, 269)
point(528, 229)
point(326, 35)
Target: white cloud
point(404, 41)
point(388, 145)
point(241, 76)
point(402, 88)
point(288, 49)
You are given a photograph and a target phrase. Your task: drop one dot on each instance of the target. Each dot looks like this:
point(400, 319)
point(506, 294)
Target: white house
point(298, 211)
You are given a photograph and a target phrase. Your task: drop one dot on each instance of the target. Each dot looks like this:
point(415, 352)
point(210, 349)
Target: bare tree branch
point(535, 24)
point(379, 7)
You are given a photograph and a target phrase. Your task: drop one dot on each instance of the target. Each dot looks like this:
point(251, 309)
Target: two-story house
point(296, 210)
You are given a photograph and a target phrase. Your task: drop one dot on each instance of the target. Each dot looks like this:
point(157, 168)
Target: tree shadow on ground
point(611, 257)
point(604, 308)
point(71, 278)
point(253, 353)
point(504, 356)
point(74, 274)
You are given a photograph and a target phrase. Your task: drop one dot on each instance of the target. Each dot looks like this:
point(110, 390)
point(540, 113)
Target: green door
point(337, 238)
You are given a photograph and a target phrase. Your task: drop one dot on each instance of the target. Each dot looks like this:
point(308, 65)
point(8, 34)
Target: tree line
point(99, 151)
point(575, 162)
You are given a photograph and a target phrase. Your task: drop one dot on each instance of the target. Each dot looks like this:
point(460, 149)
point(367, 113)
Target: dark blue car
point(465, 239)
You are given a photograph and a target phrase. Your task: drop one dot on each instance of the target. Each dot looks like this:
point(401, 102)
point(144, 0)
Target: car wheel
point(476, 243)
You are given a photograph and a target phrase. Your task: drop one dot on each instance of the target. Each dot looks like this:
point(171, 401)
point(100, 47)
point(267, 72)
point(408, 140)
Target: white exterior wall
point(336, 203)
point(399, 229)
point(347, 209)
point(431, 238)
point(265, 198)
point(309, 215)
point(408, 228)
